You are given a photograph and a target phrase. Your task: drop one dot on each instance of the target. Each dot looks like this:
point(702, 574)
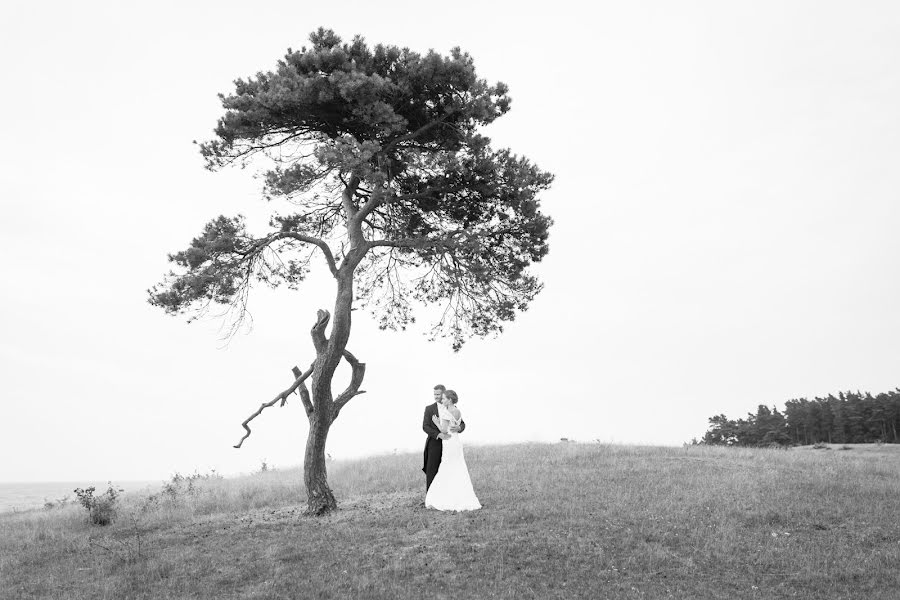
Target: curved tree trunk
point(320, 498)
point(329, 352)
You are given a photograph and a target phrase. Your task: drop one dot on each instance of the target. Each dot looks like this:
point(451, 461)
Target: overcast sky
point(725, 205)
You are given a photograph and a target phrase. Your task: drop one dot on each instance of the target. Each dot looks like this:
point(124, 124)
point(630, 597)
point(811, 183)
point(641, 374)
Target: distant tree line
point(848, 418)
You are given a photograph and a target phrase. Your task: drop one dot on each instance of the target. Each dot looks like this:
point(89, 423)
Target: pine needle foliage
point(377, 153)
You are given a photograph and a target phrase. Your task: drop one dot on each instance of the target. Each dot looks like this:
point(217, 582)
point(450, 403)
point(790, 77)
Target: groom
point(434, 445)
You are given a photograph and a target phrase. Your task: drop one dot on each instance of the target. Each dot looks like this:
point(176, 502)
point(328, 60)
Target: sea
point(16, 497)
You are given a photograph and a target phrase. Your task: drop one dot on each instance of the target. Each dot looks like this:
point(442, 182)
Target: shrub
point(101, 509)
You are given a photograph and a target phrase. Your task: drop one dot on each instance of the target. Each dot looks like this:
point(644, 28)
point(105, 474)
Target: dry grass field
point(559, 521)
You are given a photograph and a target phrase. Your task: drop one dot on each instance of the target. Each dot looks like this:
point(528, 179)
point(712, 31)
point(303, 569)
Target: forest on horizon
point(848, 418)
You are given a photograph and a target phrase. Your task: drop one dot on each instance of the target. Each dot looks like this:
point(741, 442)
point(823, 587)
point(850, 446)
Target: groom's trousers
point(433, 451)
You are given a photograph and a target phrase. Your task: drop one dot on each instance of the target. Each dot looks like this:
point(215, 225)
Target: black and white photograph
point(469, 300)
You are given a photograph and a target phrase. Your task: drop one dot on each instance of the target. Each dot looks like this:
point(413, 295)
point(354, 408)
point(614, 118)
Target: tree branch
point(318, 331)
point(282, 396)
point(375, 200)
point(347, 197)
point(427, 193)
point(332, 266)
point(419, 242)
point(359, 371)
point(304, 394)
point(414, 134)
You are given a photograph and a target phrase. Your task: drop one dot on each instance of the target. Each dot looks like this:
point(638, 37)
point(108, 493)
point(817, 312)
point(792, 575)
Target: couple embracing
point(447, 482)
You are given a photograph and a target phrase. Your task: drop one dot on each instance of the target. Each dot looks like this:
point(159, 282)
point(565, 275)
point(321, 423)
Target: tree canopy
point(378, 154)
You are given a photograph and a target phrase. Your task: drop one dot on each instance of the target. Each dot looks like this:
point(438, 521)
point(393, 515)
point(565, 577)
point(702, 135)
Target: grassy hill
point(559, 521)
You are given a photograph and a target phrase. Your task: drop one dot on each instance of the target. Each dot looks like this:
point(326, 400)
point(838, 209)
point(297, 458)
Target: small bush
point(101, 509)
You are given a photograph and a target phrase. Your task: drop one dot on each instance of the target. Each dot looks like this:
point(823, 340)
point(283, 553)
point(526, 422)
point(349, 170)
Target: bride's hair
point(452, 395)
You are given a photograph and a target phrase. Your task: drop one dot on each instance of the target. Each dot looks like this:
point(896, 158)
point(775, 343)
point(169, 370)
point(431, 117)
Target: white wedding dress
point(451, 488)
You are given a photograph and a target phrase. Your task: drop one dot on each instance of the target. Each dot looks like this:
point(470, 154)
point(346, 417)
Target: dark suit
point(434, 446)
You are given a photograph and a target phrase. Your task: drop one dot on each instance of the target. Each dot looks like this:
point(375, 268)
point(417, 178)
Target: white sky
point(726, 210)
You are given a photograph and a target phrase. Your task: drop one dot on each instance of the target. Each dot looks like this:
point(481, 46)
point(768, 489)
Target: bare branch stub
point(282, 397)
point(359, 371)
point(318, 331)
point(304, 394)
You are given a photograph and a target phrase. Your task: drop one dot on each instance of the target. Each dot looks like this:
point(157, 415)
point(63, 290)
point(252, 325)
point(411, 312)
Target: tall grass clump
point(184, 497)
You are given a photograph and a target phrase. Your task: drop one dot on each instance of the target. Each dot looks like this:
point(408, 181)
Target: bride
point(452, 487)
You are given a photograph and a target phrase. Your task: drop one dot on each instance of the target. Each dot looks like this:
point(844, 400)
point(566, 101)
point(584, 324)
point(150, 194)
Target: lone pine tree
point(377, 154)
